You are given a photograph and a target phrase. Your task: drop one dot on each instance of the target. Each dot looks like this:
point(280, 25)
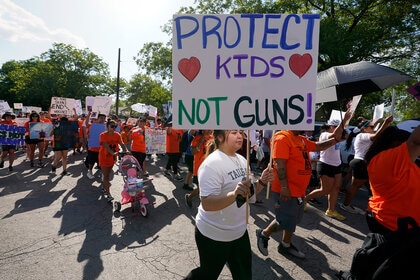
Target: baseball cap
point(333, 122)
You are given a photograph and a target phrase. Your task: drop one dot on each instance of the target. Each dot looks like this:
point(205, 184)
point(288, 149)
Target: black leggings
point(215, 254)
point(173, 159)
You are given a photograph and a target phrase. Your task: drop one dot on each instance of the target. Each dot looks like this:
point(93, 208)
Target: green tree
point(61, 71)
point(143, 89)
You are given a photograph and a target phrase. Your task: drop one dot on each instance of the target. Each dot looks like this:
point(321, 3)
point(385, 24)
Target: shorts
point(189, 161)
point(6, 148)
point(139, 156)
point(288, 213)
point(359, 168)
point(327, 170)
point(30, 141)
point(92, 157)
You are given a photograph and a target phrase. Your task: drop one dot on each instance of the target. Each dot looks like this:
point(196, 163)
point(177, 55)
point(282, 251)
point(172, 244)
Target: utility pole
point(118, 82)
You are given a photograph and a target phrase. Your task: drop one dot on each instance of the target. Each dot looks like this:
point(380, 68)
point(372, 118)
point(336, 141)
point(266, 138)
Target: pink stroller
point(133, 191)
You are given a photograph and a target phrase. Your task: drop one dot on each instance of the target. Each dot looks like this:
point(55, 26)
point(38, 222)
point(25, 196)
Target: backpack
point(183, 145)
point(390, 256)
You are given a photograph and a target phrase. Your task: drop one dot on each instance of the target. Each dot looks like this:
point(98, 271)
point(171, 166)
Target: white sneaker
point(90, 175)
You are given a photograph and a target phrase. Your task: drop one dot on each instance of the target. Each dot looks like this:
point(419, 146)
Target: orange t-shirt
point(394, 181)
point(138, 143)
point(173, 139)
point(200, 155)
point(295, 150)
point(105, 158)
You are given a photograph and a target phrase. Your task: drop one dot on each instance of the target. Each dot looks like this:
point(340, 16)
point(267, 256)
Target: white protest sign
point(30, 109)
point(4, 107)
point(101, 105)
point(131, 121)
point(253, 71)
point(139, 107)
point(78, 106)
point(62, 106)
point(378, 112)
point(17, 106)
point(152, 110)
point(335, 115)
point(89, 103)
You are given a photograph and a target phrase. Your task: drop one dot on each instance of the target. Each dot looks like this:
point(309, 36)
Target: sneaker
point(40, 164)
point(188, 201)
point(146, 174)
point(262, 242)
point(352, 209)
point(10, 168)
point(167, 173)
point(2, 164)
point(178, 177)
point(109, 197)
point(32, 163)
point(90, 175)
point(64, 173)
point(187, 187)
point(53, 168)
point(291, 250)
point(334, 214)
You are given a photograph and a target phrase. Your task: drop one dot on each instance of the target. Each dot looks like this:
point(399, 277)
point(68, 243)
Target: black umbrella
point(346, 81)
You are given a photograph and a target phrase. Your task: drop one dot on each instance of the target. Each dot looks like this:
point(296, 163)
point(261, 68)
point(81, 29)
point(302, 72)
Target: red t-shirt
point(394, 181)
point(295, 150)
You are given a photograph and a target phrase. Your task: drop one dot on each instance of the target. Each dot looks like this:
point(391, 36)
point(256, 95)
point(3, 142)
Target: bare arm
point(384, 125)
point(282, 175)
point(413, 144)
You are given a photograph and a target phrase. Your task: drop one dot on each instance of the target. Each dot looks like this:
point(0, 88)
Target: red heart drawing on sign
point(189, 68)
point(300, 64)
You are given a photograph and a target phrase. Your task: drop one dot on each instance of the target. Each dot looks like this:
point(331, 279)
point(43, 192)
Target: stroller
point(133, 191)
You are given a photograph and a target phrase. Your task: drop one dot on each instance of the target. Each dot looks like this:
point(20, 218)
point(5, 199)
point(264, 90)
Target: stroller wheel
point(143, 210)
point(117, 206)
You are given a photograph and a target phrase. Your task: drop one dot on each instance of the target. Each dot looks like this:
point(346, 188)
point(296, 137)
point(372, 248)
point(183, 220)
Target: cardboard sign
point(62, 106)
point(101, 105)
point(12, 135)
point(155, 141)
point(247, 71)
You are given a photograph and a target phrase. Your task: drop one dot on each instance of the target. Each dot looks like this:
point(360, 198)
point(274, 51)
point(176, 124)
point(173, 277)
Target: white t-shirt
point(219, 174)
point(331, 155)
point(362, 145)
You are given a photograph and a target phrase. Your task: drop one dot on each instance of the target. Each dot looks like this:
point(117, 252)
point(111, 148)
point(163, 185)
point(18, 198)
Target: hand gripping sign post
point(245, 71)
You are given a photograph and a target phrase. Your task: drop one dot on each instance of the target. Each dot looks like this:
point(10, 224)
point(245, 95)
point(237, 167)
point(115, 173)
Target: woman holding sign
point(221, 231)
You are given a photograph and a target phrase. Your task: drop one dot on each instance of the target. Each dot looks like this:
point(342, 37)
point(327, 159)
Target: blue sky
point(30, 27)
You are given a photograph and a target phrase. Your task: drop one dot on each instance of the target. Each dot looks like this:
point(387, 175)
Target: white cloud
point(17, 24)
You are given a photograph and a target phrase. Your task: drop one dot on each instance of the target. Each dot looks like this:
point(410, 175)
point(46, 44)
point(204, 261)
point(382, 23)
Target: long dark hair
point(391, 137)
point(349, 139)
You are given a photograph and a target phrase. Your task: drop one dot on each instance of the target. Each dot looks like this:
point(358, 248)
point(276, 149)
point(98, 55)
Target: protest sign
point(101, 105)
point(4, 107)
point(78, 107)
point(152, 110)
point(155, 141)
point(40, 130)
point(89, 103)
point(66, 135)
point(139, 108)
point(62, 106)
point(30, 109)
point(21, 121)
point(17, 106)
point(131, 121)
point(249, 71)
point(12, 135)
point(378, 112)
point(95, 130)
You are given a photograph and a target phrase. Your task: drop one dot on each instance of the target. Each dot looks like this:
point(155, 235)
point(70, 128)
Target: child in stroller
point(133, 191)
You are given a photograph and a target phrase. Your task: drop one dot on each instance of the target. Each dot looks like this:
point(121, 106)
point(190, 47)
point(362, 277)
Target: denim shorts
point(288, 213)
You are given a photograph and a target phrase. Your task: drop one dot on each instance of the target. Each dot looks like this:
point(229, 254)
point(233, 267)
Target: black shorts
point(92, 157)
point(359, 168)
point(30, 141)
point(5, 148)
point(189, 161)
point(327, 170)
point(139, 156)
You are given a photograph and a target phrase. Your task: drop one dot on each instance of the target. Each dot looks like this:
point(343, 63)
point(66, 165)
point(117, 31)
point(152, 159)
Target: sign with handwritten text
point(245, 71)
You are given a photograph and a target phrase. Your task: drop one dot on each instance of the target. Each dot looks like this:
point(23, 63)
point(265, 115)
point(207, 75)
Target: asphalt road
point(60, 227)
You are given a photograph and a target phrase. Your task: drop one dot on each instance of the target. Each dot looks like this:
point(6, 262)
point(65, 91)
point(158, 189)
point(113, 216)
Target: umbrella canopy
point(409, 125)
point(346, 81)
